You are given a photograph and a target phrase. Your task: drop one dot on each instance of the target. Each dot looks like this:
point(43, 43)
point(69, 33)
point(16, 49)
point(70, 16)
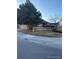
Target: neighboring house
point(52, 26)
point(59, 27)
point(22, 27)
point(44, 26)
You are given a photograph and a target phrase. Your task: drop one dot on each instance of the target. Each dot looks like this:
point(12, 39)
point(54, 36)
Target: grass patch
point(43, 33)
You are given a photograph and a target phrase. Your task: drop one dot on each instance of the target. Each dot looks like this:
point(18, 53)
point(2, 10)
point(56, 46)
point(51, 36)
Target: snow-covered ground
point(47, 41)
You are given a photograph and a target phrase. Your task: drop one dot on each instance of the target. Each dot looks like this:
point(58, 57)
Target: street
point(36, 47)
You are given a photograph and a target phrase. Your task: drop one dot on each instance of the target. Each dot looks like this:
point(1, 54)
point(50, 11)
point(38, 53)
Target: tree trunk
point(31, 28)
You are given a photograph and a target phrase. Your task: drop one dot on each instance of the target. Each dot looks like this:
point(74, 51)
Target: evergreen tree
point(28, 14)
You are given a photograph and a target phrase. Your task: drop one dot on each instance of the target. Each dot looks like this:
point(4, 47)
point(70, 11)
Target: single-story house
point(44, 26)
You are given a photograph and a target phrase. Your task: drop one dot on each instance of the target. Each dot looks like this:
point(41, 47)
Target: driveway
point(36, 47)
